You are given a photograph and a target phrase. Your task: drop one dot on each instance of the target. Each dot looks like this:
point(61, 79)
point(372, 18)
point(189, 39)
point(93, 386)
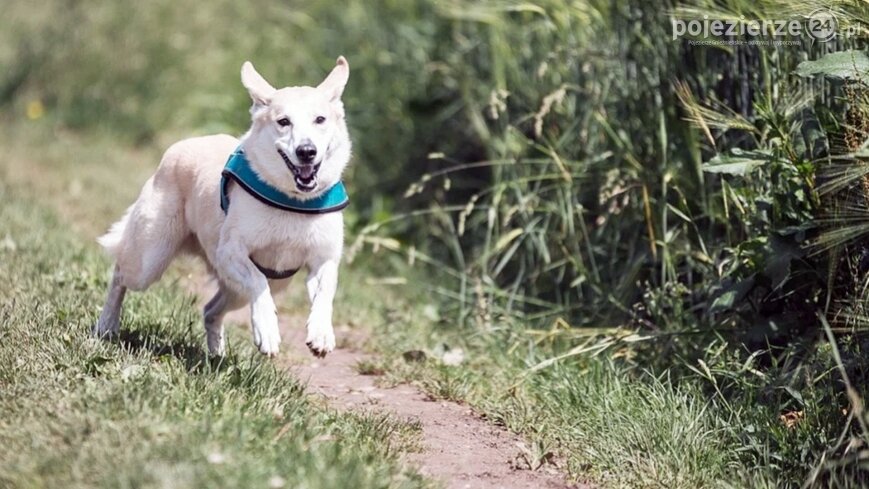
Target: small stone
point(75, 187)
point(414, 356)
point(8, 244)
point(131, 372)
point(216, 458)
point(454, 357)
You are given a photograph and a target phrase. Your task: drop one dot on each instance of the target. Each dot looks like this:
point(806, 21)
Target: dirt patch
point(459, 449)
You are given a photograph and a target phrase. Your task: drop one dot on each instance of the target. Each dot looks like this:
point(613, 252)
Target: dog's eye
point(283, 122)
point(319, 120)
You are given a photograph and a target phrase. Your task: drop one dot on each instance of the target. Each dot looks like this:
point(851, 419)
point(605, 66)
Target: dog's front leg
point(238, 271)
point(322, 283)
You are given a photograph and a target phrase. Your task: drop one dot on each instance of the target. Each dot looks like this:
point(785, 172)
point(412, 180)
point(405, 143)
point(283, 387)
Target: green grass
point(153, 399)
point(712, 422)
point(152, 410)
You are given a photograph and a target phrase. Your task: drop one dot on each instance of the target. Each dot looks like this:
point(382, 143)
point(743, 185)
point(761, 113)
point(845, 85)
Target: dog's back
point(154, 229)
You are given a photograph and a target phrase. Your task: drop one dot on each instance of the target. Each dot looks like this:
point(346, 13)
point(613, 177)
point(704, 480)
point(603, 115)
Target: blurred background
point(558, 166)
point(557, 157)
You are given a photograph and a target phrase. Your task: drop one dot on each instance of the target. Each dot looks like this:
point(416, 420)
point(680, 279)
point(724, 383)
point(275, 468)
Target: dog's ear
point(334, 84)
point(259, 89)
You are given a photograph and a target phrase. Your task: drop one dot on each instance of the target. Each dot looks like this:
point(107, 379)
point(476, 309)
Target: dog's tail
point(111, 241)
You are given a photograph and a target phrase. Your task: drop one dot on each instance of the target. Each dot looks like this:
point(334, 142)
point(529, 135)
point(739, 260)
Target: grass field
point(170, 409)
point(714, 422)
point(150, 410)
point(166, 413)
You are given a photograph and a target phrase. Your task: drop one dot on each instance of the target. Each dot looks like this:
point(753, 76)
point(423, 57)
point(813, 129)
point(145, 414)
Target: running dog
point(256, 209)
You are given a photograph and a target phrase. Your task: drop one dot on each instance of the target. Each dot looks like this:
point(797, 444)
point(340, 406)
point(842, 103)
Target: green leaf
point(732, 296)
point(725, 301)
point(781, 252)
point(795, 394)
point(679, 213)
point(506, 239)
point(738, 162)
point(846, 65)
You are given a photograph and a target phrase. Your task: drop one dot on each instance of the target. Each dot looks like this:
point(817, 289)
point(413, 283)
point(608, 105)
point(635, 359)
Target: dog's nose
point(306, 152)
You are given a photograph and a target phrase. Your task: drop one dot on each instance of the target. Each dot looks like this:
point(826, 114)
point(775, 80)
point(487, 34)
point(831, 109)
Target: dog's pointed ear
point(259, 89)
point(334, 84)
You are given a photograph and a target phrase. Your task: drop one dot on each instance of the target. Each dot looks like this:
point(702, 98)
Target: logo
point(822, 25)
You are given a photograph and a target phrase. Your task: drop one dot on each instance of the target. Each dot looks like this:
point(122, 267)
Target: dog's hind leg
point(224, 300)
point(110, 318)
point(145, 241)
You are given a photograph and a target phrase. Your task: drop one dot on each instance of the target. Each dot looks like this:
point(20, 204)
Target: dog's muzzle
point(304, 175)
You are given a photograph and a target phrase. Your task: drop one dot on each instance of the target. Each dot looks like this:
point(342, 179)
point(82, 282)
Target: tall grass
point(593, 181)
point(634, 184)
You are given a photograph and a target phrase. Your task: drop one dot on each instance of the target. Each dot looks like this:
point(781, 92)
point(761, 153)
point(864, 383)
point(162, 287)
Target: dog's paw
point(216, 342)
point(104, 330)
point(266, 335)
point(320, 340)
point(268, 340)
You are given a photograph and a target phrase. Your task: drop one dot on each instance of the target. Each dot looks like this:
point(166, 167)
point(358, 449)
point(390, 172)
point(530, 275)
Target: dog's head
point(298, 141)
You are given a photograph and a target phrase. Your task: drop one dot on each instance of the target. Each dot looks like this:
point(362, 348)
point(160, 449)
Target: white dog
point(256, 209)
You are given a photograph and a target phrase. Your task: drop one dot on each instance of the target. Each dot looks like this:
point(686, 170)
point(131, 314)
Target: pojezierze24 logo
point(821, 25)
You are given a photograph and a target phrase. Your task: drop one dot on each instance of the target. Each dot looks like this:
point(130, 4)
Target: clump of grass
point(641, 433)
point(449, 383)
point(370, 367)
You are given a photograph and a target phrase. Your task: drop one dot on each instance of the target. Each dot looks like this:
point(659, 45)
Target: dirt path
point(459, 449)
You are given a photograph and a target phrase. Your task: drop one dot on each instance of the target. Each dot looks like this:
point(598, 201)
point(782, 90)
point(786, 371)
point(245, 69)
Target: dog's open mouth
point(305, 175)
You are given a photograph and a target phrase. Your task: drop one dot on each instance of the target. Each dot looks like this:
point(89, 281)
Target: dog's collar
point(238, 169)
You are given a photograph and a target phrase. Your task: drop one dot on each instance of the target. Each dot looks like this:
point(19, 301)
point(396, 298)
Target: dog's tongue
point(306, 171)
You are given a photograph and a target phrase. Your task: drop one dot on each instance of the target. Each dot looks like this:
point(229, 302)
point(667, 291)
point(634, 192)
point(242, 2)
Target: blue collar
point(238, 169)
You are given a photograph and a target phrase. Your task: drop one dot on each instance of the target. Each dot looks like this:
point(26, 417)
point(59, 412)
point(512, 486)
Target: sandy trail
point(459, 449)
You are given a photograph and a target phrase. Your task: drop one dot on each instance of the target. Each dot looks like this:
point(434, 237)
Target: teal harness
point(238, 170)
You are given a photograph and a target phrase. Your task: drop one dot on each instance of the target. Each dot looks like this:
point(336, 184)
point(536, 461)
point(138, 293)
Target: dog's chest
point(282, 240)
